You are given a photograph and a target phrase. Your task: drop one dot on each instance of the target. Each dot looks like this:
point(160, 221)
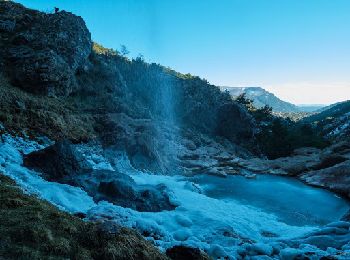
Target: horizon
point(295, 50)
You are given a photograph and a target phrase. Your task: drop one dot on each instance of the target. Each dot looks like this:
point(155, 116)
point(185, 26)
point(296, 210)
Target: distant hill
point(261, 98)
point(321, 109)
point(312, 108)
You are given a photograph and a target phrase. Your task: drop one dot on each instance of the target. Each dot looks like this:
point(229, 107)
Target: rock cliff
point(42, 53)
point(56, 82)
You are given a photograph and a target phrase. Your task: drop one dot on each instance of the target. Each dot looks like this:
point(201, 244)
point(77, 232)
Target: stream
point(292, 201)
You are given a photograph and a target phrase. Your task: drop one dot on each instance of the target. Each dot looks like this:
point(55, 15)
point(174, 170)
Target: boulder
point(335, 178)
point(118, 191)
point(183, 252)
point(63, 162)
point(127, 193)
point(56, 162)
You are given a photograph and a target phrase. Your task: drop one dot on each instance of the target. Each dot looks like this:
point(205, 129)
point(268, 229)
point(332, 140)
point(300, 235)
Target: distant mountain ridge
point(262, 97)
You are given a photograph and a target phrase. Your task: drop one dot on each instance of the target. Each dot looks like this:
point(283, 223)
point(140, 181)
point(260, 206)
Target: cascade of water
point(168, 133)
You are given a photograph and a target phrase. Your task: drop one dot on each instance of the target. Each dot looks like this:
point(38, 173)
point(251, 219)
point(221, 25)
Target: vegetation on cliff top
point(97, 83)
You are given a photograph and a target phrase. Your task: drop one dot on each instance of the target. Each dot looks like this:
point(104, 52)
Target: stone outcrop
point(328, 168)
point(64, 162)
point(335, 178)
point(142, 108)
point(183, 252)
point(41, 53)
point(57, 161)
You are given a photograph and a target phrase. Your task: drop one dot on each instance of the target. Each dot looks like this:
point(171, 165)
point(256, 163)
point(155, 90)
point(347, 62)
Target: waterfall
point(168, 127)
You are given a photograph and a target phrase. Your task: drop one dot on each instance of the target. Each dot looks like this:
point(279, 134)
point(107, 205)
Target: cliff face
point(40, 52)
point(56, 82)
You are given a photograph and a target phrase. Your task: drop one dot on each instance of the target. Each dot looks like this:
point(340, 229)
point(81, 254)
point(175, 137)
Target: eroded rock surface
point(43, 51)
point(328, 168)
point(65, 162)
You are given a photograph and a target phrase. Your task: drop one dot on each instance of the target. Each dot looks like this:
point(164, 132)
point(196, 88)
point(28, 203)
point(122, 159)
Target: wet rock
point(183, 253)
point(64, 162)
point(329, 160)
point(56, 161)
point(117, 190)
point(295, 165)
point(335, 178)
point(80, 215)
point(290, 254)
point(306, 151)
point(127, 193)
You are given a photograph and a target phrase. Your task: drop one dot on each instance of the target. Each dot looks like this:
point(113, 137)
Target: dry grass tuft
point(34, 229)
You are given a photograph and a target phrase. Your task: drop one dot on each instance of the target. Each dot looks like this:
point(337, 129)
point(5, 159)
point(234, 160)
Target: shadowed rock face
point(106, 96)
point(56, 162)
point(183, 252)
point(63, 163)
point(43, 51)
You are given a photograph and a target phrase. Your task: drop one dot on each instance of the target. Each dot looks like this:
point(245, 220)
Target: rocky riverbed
point(219, 227)
point(116, 145)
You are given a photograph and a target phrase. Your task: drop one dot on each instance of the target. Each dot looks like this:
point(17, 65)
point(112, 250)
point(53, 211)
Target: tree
point(123, 50)
point(263, 114)
point(140, 58)
point(248, 103)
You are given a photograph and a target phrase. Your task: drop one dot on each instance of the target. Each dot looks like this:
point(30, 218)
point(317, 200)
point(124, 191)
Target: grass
point(54, 117)
point(34, 229)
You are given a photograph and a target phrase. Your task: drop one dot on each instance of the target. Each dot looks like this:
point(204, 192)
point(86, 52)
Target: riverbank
point(217, 226)
point(35, 229)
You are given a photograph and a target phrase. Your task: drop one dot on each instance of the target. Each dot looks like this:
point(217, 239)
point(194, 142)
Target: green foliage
point(281, 137)
point(248, 103)
point(273, 139)
point(99, 49)
point(123, 50)
point(278, 137)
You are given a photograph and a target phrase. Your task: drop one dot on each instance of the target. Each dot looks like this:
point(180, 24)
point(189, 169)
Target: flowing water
point(292, 201)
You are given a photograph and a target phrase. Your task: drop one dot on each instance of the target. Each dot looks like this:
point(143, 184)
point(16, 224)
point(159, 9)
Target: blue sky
point(298, 49)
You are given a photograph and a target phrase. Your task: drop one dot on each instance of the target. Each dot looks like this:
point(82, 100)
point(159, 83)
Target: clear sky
point(298, 49)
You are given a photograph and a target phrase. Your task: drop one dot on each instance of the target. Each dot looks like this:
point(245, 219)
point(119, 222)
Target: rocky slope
point(101, 123)
point(333, 121)
point(56, 82)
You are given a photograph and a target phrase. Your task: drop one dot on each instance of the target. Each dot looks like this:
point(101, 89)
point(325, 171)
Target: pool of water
point(292, 201)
